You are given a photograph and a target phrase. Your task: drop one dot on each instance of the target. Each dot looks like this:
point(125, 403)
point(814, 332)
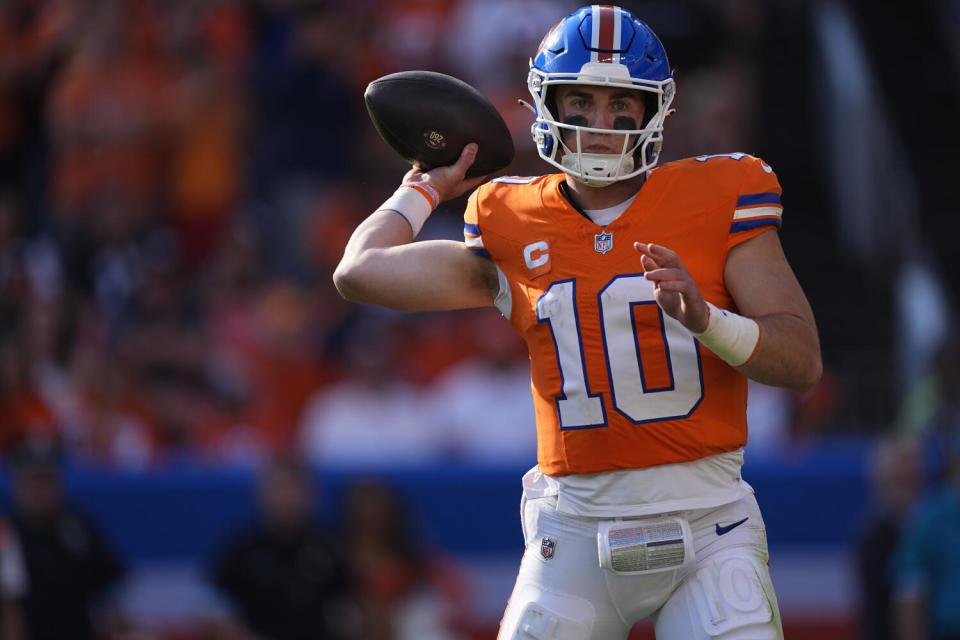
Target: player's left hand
point(673, 286)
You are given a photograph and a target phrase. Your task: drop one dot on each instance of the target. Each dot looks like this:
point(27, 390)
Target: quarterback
point(647, 296)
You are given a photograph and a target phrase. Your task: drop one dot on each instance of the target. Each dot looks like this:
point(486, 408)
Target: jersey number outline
point(631, 397)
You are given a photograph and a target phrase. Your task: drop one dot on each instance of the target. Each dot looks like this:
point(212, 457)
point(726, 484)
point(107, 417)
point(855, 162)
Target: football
point(428, 118)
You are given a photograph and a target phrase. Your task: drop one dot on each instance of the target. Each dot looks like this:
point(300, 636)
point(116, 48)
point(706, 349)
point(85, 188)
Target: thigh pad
point(551, 617)
point(729, 597)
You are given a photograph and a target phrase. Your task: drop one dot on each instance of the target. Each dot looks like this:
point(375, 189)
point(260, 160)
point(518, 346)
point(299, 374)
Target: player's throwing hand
point(673, 286)
point(449, 181)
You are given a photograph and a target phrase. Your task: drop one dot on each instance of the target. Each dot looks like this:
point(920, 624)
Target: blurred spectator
point(207, 161)
point(927, 580)
point(896, 479)
point(23, 411)
point(482, 405)
point(285, 575)
point(13, 584)
point(490, 47)
point(111, 113)
point(931, 408)
point(265, 354)
point(373, 417)
point(34, 37)
point(71, 568)
point(305, 110)
point(409, 593)
point(769, 416)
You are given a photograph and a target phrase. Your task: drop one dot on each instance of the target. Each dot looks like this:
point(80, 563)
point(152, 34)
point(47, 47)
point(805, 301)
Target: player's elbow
point(348, 279)
point(809, 373)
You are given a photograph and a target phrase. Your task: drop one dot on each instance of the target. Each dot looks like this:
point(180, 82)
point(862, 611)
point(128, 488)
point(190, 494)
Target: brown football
point(428, 118)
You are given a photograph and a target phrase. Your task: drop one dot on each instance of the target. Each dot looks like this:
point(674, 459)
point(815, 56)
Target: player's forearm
point(787, 354)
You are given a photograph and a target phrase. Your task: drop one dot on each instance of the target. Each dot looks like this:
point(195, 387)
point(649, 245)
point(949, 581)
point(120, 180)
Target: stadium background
point(178, 180)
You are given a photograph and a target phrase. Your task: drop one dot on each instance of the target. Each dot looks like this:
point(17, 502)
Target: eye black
point(575, 121)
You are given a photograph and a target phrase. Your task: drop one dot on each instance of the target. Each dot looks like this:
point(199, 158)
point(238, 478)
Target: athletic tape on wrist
point(415, 201)
point(732, 337)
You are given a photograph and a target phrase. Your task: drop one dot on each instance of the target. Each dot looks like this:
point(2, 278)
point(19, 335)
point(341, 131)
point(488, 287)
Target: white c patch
point(535, 254)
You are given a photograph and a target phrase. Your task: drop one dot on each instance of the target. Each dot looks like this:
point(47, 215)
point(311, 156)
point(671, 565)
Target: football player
point(647, 296)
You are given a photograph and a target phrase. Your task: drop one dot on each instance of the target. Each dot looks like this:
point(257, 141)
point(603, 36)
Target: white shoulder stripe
point(757, 212)
point(514, 179)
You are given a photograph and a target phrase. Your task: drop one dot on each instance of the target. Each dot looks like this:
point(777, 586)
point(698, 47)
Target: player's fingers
point(414, 175)
point(677, 286)
point(648, 263)
point(467, 155)
point(664, 274)
point(663, 254)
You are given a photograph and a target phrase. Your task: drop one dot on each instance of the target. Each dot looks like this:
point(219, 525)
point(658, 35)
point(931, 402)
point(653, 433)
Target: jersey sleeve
point(472, 236)
point(758, 206)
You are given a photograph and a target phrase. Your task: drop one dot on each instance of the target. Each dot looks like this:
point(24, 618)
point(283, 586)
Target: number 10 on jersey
point(630, 394)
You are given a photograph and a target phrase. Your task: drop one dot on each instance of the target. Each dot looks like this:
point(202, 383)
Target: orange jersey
point(618, 384)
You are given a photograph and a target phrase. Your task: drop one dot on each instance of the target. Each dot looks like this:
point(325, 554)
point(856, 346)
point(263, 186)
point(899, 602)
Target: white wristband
point(732, 337)
point(415, 201)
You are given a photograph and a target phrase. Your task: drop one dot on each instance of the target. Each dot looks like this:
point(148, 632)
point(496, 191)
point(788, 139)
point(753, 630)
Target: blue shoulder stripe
point(473, 229)
point(758, 198)
point(746, 225)
point(480, 252)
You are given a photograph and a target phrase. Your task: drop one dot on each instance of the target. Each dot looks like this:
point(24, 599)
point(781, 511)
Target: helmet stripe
point(594, 31)
point(617, 24)
point(606, 35)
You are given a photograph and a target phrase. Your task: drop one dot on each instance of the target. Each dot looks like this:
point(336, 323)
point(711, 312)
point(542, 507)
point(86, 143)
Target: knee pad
point(551, 617)
point(729, 598)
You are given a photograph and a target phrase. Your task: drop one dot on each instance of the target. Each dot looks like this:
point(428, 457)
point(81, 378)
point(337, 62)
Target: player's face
point(601, 108)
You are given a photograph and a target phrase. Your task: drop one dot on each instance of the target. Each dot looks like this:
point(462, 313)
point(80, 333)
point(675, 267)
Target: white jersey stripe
point(757, 212)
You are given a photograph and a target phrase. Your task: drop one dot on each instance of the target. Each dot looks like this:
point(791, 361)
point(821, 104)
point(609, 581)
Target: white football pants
point(724, 593)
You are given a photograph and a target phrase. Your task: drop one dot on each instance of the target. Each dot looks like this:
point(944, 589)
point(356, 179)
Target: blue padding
point(812, 499)
point(746, 225)
point(748, 199)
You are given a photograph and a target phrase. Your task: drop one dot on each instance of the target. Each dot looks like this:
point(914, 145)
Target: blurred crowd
point(284, 575)
point(177, 181)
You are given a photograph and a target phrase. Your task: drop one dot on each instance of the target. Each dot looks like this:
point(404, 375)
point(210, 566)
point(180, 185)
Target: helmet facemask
point(640, 148)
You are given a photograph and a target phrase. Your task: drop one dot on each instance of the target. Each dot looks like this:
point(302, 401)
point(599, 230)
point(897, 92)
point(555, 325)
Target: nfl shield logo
point(603, 242)
point(547, 547)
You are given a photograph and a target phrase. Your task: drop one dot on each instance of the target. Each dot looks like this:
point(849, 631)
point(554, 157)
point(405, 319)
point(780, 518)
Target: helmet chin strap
point(586, 168)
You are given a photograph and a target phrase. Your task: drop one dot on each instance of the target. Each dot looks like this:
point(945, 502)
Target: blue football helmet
point(605, 46)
